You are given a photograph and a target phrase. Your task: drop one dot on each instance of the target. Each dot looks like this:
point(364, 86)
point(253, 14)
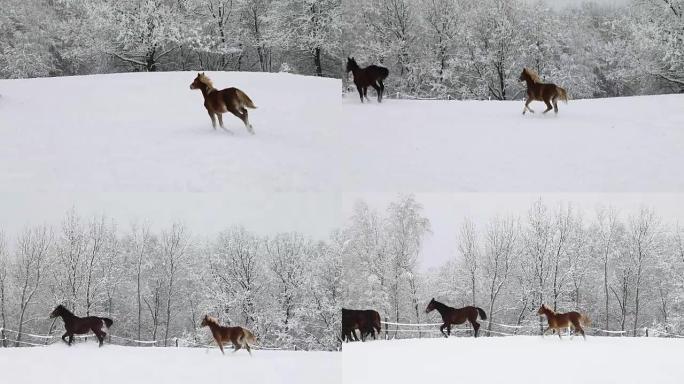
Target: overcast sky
point(447, 211)
point(313, 214)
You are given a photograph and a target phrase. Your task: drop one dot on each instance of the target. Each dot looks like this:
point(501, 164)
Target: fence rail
point(176, 341)
point(416, 328)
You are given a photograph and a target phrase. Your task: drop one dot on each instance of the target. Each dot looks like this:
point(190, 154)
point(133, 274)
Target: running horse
point(372, 75)
point(75, 325)
point(453, 316)
point(546, 92)
point(240, 337)
point(558, 321)
point(218, 102)
point(367, 321)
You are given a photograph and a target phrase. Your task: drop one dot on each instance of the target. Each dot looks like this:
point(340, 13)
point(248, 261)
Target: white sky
point(313, 214)
point(447, 211)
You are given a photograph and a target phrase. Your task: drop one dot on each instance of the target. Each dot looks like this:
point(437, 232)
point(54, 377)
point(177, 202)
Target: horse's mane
point(547, 308)
point(533, 75)
point(62, 308)
point(212, 320)
point(205, 80)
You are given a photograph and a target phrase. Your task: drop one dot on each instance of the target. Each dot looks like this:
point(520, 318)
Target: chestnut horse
point(366, 321)
point(240, 337)
point(455, 316)
point(546, 92)
point(75, 325)
point(217, 102)
point(372, 75)
point(557, 321)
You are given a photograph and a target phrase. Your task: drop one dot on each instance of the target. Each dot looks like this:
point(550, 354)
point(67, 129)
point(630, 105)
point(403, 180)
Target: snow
point(86, 363)
point(599, 145)
point(149, 132)
point(517, 359)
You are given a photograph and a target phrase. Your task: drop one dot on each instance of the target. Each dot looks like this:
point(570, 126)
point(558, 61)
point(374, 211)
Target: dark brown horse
point(75, 325)
point(240, 337)
point(372, 75)
point(546, 92)
point(451, 316)
point(217, 102)
point(367, 321)
point(558, 321)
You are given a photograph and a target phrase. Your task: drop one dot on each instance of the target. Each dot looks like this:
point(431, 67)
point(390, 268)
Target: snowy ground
point(149, 132)
point(518, 359)
point(85, 363)
point(601, 145)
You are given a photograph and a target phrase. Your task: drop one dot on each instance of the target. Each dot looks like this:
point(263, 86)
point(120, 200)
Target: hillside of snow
point(516, 359)
point(150, 132)
point(86, 363)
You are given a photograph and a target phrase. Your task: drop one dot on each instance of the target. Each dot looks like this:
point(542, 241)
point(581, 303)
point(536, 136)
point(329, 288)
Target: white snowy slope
point(600, 145)
point(517, 359)
point(86, 363)
point(149, 132)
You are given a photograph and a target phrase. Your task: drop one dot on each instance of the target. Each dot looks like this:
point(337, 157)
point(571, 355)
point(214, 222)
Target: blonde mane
point(212, 320)
point(205, 80)
point(533, 75)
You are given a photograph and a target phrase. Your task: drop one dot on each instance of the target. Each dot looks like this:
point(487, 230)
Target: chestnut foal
point(240, 337)
point(557, 321)
point(218, 102)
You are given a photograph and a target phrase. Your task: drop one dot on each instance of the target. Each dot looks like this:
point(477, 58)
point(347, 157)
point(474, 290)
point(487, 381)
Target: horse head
point(351, 64)
point(431, 306)
point(58, 311)
point(201, 81)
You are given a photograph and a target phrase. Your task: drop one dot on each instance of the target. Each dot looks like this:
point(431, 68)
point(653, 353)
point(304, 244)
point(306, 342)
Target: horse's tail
point(108, 322)
point(244, 99)
point(376, 322)
point(384, 72)
point(248, 337)
point(482, 313)
point(585, 320)
point(562, 94)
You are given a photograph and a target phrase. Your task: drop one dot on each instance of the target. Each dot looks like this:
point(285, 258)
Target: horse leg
point(220, 120)
point(248, 349)
point(236, 347)
point(220, 344)
point(527, 106)
point(360, 89)
point(377, 90)
point(71, 339)
point(248, 125)
point(548, 105)
point(441, 329)
point(213, 119)
point(365, 92)
point(64, 337)
point(555, 104)
point(382, 89)
point(449, 329)
point(476, 327)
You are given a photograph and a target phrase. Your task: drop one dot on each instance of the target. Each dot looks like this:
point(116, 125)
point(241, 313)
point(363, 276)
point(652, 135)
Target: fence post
point(386, 326)
point(646, 331)
point(176, 342)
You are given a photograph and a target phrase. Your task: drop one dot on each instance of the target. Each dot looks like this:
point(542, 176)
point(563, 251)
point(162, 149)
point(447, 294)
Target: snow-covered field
point(601, 145)
point(518, 359)
point(86, 363)
point(149, 132)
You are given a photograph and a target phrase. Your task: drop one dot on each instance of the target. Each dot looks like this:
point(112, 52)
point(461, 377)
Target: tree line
point(76, 37)
point(447, 49)
point(158, 285)
point(625, 272)
point(462, 49)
